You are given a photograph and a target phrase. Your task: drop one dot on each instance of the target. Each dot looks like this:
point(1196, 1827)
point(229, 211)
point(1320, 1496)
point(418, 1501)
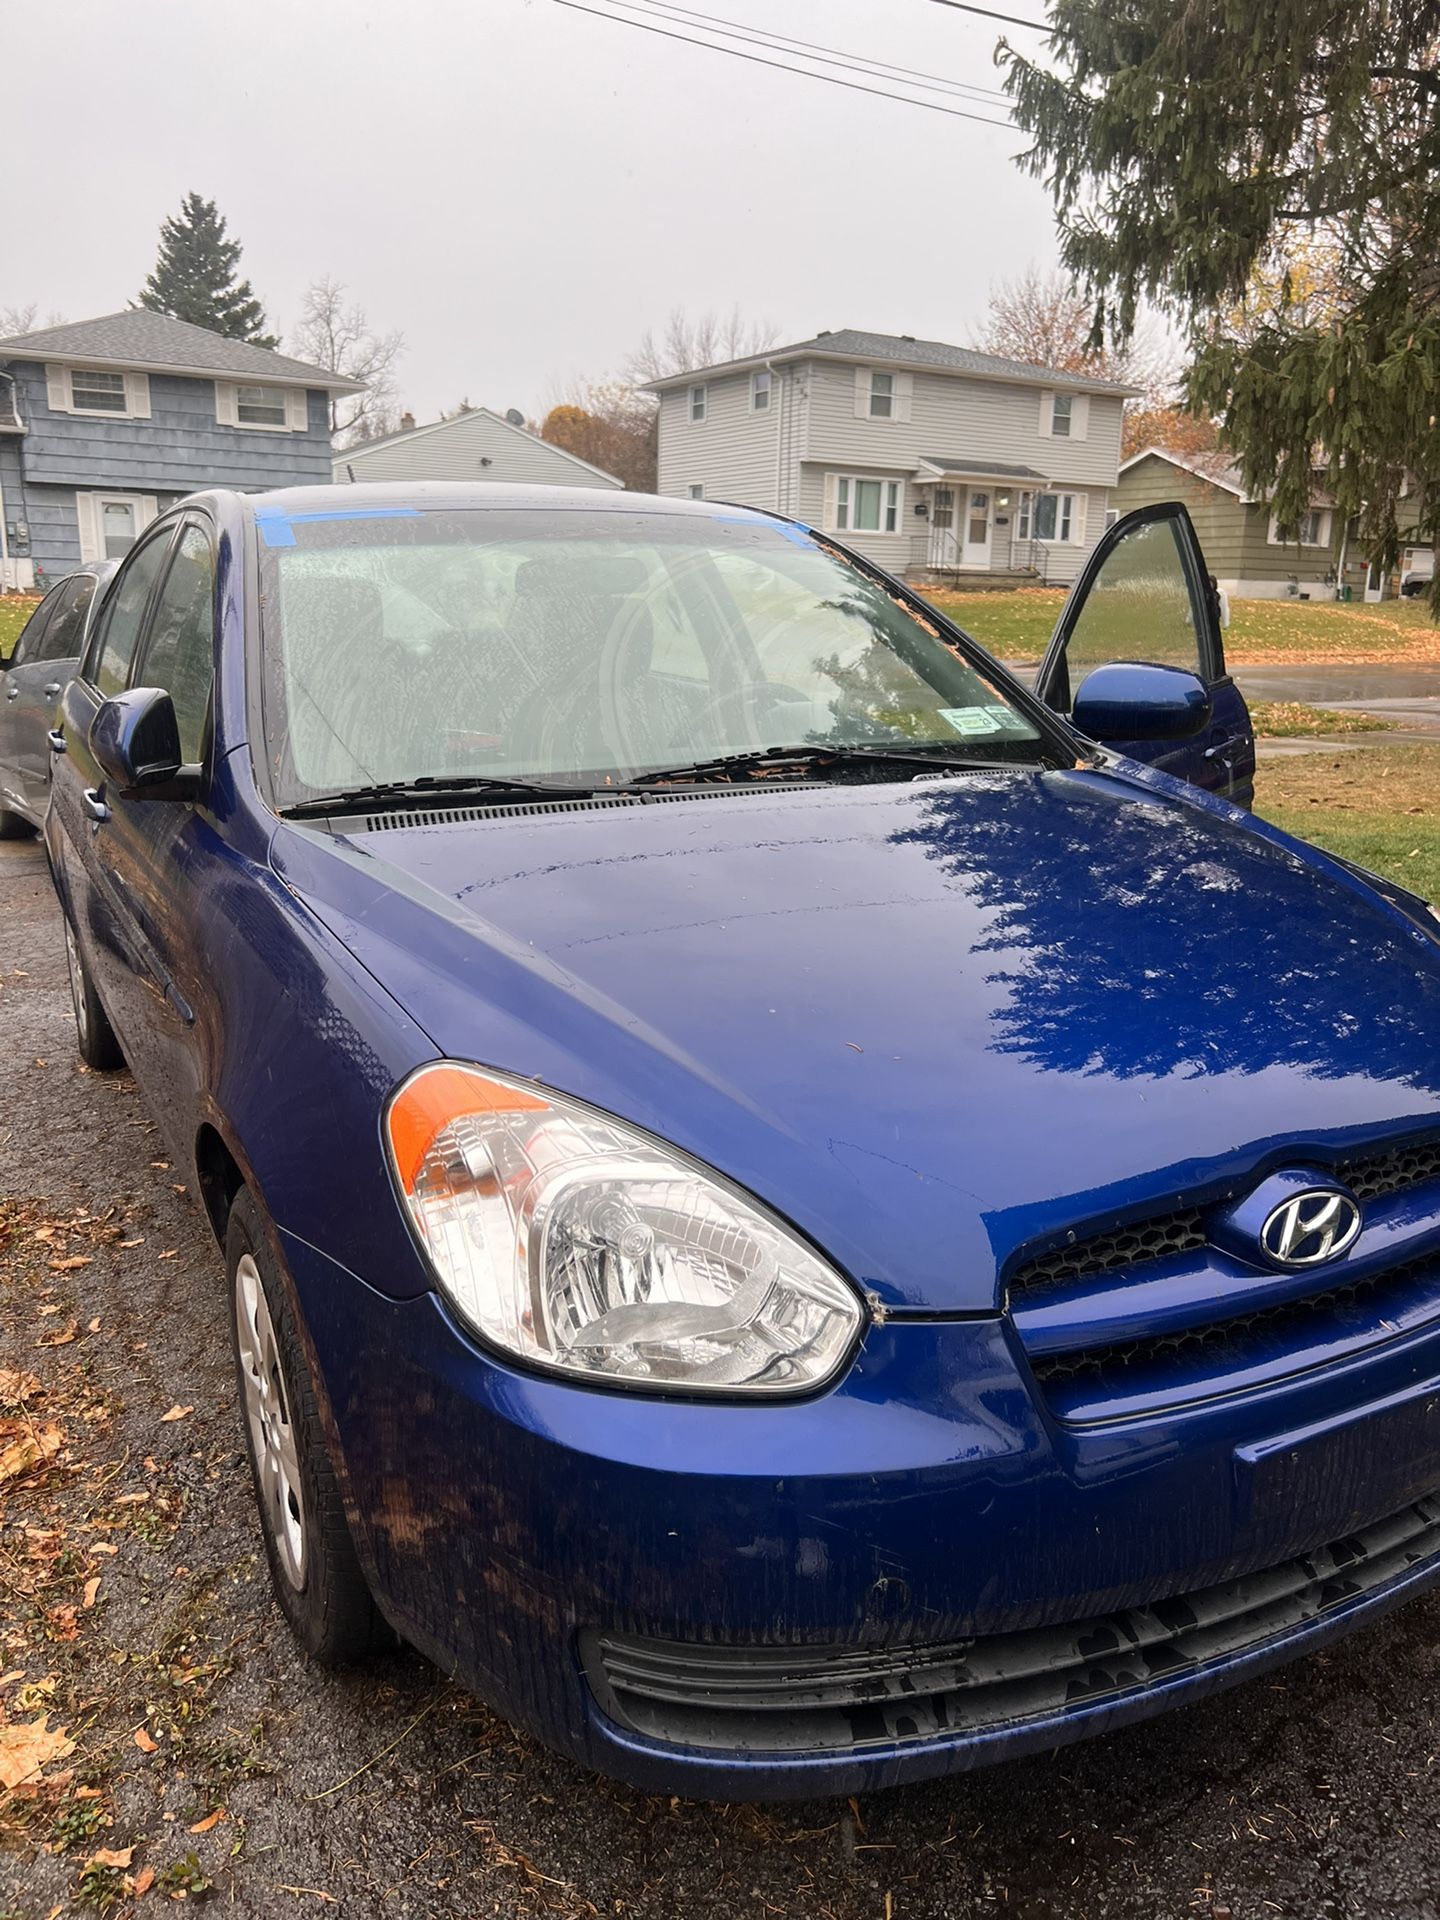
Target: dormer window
point(95, 392)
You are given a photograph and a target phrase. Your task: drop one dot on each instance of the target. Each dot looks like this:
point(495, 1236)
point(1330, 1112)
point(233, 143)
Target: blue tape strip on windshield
point(797, 536)
point(276, 527)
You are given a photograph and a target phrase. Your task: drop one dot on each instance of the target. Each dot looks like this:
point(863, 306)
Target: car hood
point(933, 1024)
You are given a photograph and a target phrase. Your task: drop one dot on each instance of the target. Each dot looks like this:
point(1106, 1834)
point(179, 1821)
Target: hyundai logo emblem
point(1310, 1228)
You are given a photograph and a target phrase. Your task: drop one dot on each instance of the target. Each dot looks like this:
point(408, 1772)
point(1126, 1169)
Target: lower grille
point(759, 1699)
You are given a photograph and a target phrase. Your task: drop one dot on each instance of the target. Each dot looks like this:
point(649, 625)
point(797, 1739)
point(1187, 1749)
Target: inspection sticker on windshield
point(975, 719)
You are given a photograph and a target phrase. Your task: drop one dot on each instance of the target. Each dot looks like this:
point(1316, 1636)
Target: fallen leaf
point(111, 1857)
point(60, 1338)
point(132, 1243)
point(104, 1546)
point(210, 1820)
point(143, 1741)
point(176, 1412)
point(95, 1325)
point(63, 1624)
point(92, 1587)
point(130, 1499)
point(162, 1164)
point(144, 1880)
point(70, 1263)
point(16, 1387)
point(15, 1673)
point(25, 1750)
point(25, 1444)
point(171, 1254)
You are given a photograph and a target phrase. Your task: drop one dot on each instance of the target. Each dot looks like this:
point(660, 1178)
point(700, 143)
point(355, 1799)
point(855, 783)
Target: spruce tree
point(194, 277)
point(1199, 153)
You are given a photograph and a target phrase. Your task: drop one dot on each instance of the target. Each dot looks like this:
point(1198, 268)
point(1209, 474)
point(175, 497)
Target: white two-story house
point(920, 455)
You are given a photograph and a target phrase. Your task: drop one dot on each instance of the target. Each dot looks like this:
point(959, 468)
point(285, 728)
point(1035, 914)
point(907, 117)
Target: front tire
point(313, 1565)
point(14, 826)
point(95, 1039)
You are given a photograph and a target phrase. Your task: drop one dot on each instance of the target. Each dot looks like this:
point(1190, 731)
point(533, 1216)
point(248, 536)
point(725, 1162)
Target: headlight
point(578, 1243)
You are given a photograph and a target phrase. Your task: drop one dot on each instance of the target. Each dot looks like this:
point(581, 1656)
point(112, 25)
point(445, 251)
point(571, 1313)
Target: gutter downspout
point(777, 382)
point(4, 535)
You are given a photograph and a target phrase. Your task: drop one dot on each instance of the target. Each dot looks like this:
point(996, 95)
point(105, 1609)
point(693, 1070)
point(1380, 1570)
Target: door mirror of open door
point(1129, 700)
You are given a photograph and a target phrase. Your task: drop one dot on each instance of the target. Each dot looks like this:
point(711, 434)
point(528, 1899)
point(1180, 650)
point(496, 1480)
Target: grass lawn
point(1380, 807)
point(15, 610)
point(1293, 720)
point(1016, 626)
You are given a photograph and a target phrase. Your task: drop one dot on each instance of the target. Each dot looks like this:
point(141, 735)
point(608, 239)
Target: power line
point(1010, 19)
point(810, 49)
point(781, 66)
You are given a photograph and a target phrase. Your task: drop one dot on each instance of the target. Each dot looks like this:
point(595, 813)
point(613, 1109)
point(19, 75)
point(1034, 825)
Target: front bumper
point(926, 1526)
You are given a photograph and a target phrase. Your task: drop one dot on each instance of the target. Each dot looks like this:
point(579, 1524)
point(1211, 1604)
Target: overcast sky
point(520, 188)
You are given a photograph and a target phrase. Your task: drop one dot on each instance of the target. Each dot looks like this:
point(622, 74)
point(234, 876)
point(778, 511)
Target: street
point(1312, 1793)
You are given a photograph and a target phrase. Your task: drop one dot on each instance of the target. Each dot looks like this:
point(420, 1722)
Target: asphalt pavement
point(388, 1791)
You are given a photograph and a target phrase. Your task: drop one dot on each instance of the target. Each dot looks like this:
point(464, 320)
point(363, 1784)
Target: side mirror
point(136, 742)
point(1128, 700)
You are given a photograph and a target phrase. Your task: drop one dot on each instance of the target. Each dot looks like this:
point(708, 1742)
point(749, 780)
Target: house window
point(1313, 530)
point(260, 406)
point(864, 505)
point(92, 392)
point(1045, 516)
point(697, 403)
point(1062, 413)
point(696, 489)
point(882, 396)
point(760, 391)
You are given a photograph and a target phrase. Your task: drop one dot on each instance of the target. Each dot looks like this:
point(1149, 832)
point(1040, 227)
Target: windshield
point(589, 648)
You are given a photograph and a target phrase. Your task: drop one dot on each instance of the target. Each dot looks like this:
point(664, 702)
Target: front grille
point(1155, 1313)
point(1368, 1176)
point(1181, 1232)
point(789, 1700)
point(1220, 1345)
point(1394, 1172)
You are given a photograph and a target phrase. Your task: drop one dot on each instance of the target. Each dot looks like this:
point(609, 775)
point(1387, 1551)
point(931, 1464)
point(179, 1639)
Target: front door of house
point(975, 530)
point(944, 551)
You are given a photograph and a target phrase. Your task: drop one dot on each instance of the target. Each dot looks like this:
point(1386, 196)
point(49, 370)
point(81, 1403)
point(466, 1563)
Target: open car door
point(1145, 598)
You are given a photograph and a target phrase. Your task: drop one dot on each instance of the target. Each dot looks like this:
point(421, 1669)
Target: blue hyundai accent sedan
point(792, 1215)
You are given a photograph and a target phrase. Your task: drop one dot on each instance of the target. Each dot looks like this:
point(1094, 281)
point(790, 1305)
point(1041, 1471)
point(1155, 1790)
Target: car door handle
point(56, 739)
point(95, 805)
point(49, 692)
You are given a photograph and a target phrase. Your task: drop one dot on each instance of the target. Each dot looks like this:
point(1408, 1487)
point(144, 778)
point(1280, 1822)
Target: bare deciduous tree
point(338, 337)
point(17, 320)
point(1046, 321)
point(683, 343)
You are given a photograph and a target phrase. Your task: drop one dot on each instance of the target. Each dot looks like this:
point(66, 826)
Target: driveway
point(1408, 697)
point(1314, 1793)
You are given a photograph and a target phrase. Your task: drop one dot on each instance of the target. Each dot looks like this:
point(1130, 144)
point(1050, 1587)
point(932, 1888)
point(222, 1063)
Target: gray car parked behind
point(31, 682)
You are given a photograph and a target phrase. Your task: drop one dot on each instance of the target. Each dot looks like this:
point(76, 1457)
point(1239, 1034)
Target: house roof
point(158, 343)
point(1216, 469)
point(903, 350)
point(361, 448)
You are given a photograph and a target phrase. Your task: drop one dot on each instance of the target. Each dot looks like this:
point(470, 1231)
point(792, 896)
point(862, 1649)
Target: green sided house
point(1238, 532)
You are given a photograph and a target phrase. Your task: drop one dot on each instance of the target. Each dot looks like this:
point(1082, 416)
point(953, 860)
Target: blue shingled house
point(104, 423)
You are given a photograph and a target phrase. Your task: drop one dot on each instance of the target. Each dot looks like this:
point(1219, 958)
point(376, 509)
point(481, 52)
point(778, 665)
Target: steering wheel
point(756, 707)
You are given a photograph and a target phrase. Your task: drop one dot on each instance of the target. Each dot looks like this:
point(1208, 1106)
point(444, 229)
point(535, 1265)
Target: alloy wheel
point(267, 1411)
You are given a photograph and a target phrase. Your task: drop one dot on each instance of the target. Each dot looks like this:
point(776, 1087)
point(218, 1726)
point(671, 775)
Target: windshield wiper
point(433, 789)
point(931, 756)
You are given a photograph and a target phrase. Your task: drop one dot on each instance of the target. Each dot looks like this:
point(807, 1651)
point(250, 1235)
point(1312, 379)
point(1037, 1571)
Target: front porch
point(970, 510)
